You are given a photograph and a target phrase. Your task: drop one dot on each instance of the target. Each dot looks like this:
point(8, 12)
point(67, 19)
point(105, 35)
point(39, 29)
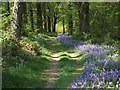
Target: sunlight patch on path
point(52, 73)
point(55, 56)
point(73, 55)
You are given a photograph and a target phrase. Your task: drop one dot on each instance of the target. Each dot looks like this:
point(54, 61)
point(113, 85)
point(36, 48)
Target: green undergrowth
point(25, 75)
point(68, 66)
point(23, 63)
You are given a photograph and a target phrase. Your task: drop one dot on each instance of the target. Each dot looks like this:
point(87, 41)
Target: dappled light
point(60, 45)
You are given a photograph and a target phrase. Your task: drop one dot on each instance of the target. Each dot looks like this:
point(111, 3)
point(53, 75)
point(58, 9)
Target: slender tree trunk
point(25, 11)
point(45, 23)
point(16, 20)
point(49, 24)
point(39, 17)
point(31, 17)
point(14, 25)
point(20, 12)
point(54, 24)
point(119, 16)
point(41, 20)
point(70, 20)
point(70, 24)
point(45, 18)
point(63, 26)
point(25, 19)
point(84, 17)
point(79, 13)
point(49, 21)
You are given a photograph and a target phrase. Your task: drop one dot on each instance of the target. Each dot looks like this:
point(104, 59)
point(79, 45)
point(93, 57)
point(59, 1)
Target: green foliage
point(107, 25)
point(24, 60)
point(25, 75)
point(66, 67)
point(26, 65)
point(6, 16)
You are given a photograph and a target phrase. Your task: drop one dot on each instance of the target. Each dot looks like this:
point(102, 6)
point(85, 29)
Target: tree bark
point(70, 21)
point(54, 24)
point(79, 13)
point(49, 21)
point(49, 24)
point(25, 19)
point(39, 17)
point(86, 16)
point(63, 26)
point(25, 11)
point(45, 17)
point(83, 17)
point(31, 17)
point(16, 20)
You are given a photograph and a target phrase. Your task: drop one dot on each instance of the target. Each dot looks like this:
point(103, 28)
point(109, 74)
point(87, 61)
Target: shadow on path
point(64, 65)
point(52, 72)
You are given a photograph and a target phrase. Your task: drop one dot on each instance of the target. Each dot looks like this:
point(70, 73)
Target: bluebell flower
point(97, 66)
point(110, 83)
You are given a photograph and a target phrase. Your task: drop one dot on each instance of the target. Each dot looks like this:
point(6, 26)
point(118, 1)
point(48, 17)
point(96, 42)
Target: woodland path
point(52, 72)
point(51, 75)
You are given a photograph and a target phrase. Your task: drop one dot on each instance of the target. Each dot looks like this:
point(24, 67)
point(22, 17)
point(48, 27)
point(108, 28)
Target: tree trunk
point(25, 11)
point(70, 21)
point(63, 26)
point(45, 18)
point(49, 24)
point(70, 24)
point(54, 24)
point(79, 13)
point(16, 20)
point(39, 17)
point(84, 17)
point(31, 17)
point(49, 21)
point(25, 19)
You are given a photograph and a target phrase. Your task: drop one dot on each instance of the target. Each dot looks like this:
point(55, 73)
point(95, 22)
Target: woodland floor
point(56, 70)
point(52, 73)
